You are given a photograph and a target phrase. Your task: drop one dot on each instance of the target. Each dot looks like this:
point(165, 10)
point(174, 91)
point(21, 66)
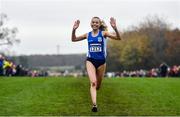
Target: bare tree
point(7, 35)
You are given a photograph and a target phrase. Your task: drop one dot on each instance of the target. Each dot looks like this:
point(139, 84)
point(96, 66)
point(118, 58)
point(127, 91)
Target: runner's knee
point(94, 83)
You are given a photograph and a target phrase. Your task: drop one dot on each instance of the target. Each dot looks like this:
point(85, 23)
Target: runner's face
point(95, 23)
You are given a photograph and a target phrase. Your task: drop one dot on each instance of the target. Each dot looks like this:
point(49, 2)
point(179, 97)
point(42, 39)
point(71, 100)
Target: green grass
point(70, 96)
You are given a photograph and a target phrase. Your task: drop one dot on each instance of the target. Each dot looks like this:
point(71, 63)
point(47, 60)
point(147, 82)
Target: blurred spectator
point(1, 65)
point(179, 71)
point(163, 69)
point(18, 70)
point(8, 67)
point(174, 71)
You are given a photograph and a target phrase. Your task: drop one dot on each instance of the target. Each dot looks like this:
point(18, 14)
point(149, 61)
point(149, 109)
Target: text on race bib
point(95, 48)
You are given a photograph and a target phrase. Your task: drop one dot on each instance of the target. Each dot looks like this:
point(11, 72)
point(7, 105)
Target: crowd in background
point(162, 71)
point(9, 68)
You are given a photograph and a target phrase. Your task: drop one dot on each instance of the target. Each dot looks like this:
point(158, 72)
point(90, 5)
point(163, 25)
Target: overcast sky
point(45, 24)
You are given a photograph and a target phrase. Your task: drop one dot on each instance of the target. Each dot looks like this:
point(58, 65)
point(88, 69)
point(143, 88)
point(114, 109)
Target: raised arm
point(75, 38)
point(115, 36)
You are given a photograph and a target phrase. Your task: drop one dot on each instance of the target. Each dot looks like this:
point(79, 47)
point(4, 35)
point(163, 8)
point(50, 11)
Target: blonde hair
point(103, 25)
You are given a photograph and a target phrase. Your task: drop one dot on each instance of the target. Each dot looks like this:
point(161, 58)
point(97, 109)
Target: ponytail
point(103, 26)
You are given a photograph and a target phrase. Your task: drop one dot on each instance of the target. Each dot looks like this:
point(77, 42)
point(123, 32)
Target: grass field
point(70, 96)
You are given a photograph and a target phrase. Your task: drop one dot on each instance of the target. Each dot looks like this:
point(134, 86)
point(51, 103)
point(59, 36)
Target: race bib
point(95, 48)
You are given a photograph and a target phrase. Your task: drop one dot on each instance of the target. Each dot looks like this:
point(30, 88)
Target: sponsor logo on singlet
point(99, 39)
